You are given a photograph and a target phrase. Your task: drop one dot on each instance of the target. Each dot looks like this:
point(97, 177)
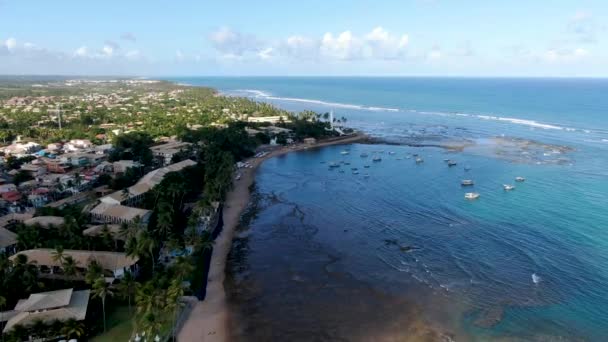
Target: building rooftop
point(50, 306)
point(119, 211)
point(7, 238)
point(108, 260)
point(114, 229)
point(45, 221)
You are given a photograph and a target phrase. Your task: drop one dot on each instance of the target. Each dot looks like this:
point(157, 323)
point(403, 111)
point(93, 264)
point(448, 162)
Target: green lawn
point(119, 326)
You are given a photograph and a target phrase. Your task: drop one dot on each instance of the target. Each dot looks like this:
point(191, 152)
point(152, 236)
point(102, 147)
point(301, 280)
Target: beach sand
point(208, 319)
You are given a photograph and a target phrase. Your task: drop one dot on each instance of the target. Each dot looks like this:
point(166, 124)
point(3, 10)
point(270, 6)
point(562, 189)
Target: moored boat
point(519, 179)
point(419, 160)
point(471, 195)
point(508, 187)
point(451, 163)
point(467, 182)
point(377, 159)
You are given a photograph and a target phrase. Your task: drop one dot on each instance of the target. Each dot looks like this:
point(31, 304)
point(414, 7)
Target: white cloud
point(266, 54)
point(344, 46)
point(81, 52)
point(133, 54)
point(581, 15)
point(179, 56)
point(11, 44)
point(565, 55)
point(107, 50)
point(230, 42)
point(384, 45)
point(434, 53)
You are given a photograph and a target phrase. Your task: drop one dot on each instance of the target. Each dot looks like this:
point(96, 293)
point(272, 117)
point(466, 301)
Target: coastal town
point(112, 194)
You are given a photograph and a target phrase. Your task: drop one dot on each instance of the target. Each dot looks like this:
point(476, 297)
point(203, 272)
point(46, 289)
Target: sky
point(474, 38)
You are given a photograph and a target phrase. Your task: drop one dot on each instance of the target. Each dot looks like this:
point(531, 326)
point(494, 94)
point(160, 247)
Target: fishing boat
point(377, 159)
point(471, 195)
point(451, 163)
point(344, 152)
point(419, 160)
point(508, 187)
point(333, 165)
point(519, 179)
point(467, 182)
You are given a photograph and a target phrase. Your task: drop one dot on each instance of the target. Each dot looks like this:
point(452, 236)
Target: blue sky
point(382, 37)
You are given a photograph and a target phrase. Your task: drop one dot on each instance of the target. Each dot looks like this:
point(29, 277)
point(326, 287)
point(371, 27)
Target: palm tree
point(174, 294)
point(39, 329)
point(182, 268)
point(94, 272)
point(146, 244)
point(72, 329)
point(102, 290)
point(69, 266)
point(58, 255)
point(127, 287)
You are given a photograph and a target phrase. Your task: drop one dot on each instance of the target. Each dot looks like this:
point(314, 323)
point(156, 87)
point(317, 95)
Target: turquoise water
point(477, 259)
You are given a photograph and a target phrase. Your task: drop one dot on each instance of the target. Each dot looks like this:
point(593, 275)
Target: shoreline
point(208, 319)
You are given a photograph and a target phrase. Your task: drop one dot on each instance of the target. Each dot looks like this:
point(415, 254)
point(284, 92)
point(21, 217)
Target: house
point(75, 199)
point(310, 141)
point(20, 149)
point(77, 145)
point(48, 307)
point(75, 159)
point(103, 149)
point(117, 214)
point(11, 196)
point(33, 170)
point(121, 166)
point(8, 241)
point(7, 188)
point(115, 264)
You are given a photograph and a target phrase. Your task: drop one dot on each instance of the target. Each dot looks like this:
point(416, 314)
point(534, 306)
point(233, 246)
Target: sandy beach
point(207, 321)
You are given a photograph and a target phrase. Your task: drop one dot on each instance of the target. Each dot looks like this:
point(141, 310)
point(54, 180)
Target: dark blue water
point(474, 260)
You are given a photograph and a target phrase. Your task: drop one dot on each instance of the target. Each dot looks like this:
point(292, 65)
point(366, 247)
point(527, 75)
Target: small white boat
point(344, 152)
point(355, 172)
point(471, 195)
point(377, 159)
point(467, 182)
point(508, 187)
point(391, 153)
point(451, 163)
point(519, 179)
point(419, 160)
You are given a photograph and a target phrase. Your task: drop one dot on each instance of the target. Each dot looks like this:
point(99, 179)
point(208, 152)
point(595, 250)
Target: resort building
point(165, 152)
point(270, 119)
point(115, 264)
point(60, 305)
point(117, 214)
point(97, 230)
point(134, 194)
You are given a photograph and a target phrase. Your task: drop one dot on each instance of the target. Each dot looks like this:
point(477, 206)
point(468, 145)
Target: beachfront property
point(269, 119)
point(135, 193)
point(115, 264)
point(60, 305)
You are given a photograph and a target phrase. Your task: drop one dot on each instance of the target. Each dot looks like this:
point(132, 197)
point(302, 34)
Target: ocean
point(393, 251)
